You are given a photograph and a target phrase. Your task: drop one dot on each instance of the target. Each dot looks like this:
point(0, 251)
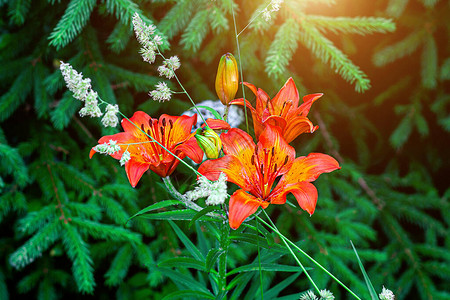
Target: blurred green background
point(384, 69)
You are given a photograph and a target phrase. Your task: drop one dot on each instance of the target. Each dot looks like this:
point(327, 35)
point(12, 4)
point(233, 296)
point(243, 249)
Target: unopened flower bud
point(227, 79)
point(209, 141)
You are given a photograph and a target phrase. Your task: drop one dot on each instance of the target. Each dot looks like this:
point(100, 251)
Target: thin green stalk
point(182, 161)
point(224, 243)
point(309, 257)
point(240, 67)
point(253, 19)
point(259, 262)
point(295, 256)
point(225, 113)
point(185, 92)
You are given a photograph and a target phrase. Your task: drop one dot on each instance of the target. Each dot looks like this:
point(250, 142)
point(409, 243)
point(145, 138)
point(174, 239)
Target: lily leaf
point(187, 243)
point(214, 112)
point(372, 292)
point(155, 206)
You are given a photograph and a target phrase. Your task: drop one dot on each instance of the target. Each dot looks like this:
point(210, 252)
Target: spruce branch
point(18, 10)
point(324, 49)
point(395, 8)
point(119, 266)
point(122, 9)
point(429, 63)
point(79, 254)
point(72, 22)
point(282, 48)
point(37, 244)
point(177, 18)
point(17, 93)
point(357, 25)
point(196, 31)
point(400, 49)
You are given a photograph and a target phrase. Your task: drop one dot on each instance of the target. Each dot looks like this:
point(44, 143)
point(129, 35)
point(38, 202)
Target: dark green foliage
point(67, 225)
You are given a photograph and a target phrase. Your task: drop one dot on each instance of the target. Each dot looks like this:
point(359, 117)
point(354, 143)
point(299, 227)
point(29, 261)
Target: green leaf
point(212, 257)
point(373, 293)
point(214, 112)
point(182, 262)
point(254, 267)
point(181, 214)
point(201, 213)
point(273, 292)
point(155, 206)
point(251, 239)
point(187, 243)
point(187, 294)
point(186, 280)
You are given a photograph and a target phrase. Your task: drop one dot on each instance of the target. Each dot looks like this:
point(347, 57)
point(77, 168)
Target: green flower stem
point(259, 262)
point(240, 67)
point(293, 255)
point(178, 196)
point(225, 114)
point(274, 228)
point(224, 243)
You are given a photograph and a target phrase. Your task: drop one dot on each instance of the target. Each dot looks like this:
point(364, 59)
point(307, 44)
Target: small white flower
point(166, 72)
point(326, 295)
point(157, 40)
point(107, 148)
point(172, 63)
point(148, 55)
point(386, 294)
point(309, 295)
point(125, 157)
point(91, 108)
point(276, 5)
point(162, 92)
point(92, 111)
point(110, 118)
point(214, 191)
point(266, 15)
point(75, 82)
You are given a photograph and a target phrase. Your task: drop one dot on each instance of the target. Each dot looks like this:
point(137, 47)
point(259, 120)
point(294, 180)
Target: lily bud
point(209, 141)
point(227, 78)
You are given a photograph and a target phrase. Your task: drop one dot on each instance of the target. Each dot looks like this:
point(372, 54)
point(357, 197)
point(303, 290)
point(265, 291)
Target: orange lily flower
point(282, 110)
point(173, 132)
point(254, 168)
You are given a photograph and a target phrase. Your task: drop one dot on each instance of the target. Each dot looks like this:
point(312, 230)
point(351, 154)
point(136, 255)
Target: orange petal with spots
point(242, 205)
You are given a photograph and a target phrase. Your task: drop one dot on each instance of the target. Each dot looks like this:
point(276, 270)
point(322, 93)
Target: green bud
point(209, 141)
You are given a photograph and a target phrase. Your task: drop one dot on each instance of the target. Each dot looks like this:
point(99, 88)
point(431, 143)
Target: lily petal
point(287, 92)
point(121, 138)
point(138, 119)
point(309, 168)
point(217, 124)
point(296, 126)
point(242, 205)
point(235, 141)
point(191, 149)
point(279, 156)
point(308, 100)
point(135, 170)
point(176, 129)
point(228, 164)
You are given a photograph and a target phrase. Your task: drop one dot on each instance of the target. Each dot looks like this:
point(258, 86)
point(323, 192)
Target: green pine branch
point(75, 17)
point(324, 49)
point(282, 48)
point(358, 25)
